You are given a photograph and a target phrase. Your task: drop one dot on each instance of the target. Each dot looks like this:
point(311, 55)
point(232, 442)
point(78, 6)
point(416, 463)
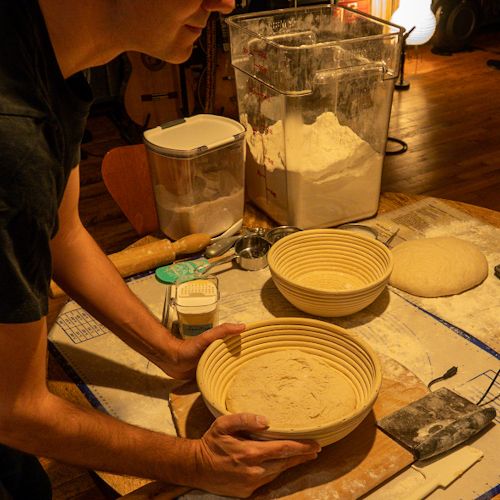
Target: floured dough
point(293, 389)
point(435, 267)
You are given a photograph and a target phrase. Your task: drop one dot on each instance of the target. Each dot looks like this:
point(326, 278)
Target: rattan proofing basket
point(327, 252)
point(346, 354)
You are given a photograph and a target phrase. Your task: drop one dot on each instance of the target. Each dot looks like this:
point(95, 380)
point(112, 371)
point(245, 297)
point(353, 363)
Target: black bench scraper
point(436, 423)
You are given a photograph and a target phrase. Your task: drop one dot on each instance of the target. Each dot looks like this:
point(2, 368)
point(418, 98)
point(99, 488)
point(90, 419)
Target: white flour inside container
point(332, 175)
point(210, 216)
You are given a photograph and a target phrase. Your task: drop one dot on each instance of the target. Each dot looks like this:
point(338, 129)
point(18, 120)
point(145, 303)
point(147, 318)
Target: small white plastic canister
point(196, 304)
point(198, 169)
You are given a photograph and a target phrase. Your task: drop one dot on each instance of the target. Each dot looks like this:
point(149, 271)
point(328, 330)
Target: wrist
point(186, 470)
point(166, 346)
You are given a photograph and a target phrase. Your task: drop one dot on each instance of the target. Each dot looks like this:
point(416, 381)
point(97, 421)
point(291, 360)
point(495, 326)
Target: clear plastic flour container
point(198, 172)
point(314, 88)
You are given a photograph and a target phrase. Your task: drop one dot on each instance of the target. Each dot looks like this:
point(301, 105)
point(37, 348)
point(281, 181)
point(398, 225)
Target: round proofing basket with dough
point(330, 272)
point(346, 354)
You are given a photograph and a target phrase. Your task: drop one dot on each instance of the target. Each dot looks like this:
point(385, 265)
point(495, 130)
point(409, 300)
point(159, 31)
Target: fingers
point(219, 332)
point(286, 449)
point(248, 464)
point(263, 450)
point(182, 364)
point(240, 422)
point(267, 471)
point(276, 467)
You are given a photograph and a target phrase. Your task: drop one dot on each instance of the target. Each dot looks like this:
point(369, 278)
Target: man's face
point(175, 25)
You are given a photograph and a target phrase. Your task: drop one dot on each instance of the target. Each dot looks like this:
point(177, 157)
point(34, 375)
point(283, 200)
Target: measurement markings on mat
point(80, 326)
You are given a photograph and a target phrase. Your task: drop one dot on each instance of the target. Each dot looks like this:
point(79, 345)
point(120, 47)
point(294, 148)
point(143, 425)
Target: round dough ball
point(293, 389)
point(436, 267)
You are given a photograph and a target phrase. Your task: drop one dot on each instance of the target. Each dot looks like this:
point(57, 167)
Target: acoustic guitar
point(152, 94)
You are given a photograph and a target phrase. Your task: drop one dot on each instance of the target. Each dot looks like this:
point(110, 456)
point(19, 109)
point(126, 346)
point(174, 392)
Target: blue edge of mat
point(97, 404)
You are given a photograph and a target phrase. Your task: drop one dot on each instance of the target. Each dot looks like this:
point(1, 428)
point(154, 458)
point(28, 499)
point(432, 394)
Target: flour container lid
point(193, 136)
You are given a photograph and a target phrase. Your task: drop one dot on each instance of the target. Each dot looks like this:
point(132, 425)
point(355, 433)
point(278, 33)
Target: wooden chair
point(126, 175)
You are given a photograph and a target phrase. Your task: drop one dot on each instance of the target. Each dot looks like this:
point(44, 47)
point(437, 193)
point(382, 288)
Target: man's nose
point(222, 6)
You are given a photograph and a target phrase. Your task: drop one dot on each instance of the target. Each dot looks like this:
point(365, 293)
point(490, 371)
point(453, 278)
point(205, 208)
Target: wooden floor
point(450, 119)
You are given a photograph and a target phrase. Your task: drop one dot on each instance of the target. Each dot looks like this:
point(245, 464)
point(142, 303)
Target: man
point(44, 101)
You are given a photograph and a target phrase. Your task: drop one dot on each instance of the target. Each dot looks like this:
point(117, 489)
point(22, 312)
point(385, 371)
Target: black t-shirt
point(42, 119)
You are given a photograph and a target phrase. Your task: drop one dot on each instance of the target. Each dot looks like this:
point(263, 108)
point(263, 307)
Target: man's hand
point(229, 464)
point(183, 355)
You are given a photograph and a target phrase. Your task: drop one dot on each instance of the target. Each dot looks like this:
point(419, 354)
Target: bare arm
point(83, 271)
point(86, 274)
point(36, 421)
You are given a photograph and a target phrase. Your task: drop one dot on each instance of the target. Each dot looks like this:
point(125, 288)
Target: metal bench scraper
point(436, 423)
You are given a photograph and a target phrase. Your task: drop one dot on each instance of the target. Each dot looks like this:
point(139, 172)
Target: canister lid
point(194, 135)
point(196, 297)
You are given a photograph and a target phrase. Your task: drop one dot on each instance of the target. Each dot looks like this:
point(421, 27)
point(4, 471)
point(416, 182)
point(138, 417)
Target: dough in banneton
point(293, 389)
point(436, 267)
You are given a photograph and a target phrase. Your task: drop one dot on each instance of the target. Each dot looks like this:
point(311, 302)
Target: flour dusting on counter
point(475, 311)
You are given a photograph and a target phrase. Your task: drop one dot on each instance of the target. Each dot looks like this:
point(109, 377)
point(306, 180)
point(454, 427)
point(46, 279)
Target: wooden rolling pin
point(137, 259)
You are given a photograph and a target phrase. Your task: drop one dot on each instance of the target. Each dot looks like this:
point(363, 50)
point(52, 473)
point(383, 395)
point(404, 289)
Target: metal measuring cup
point(276, 233)
point(222, 245)
point(250, 253)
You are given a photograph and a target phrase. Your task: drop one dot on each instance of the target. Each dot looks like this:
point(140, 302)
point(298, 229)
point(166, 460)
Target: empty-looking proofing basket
point(330, 272)
point(345, 353)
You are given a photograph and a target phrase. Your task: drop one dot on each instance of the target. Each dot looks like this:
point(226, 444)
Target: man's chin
point(179, 55)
